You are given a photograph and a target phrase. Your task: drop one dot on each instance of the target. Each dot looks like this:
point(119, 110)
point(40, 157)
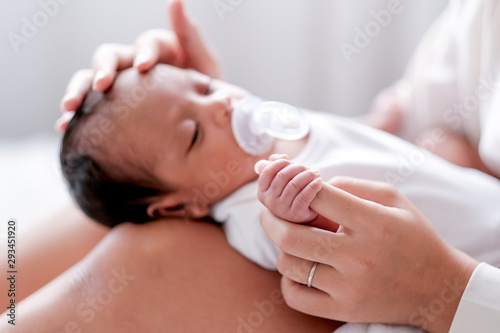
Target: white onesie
point(463, 204)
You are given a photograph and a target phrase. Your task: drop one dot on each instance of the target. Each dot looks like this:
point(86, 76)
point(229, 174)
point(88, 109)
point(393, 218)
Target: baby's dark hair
point(102, 196)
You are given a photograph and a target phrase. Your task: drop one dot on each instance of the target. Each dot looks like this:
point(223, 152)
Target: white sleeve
point(479, 308)
point(490, 134)
point(428, 86)
point(451, 74)
point(376, 328)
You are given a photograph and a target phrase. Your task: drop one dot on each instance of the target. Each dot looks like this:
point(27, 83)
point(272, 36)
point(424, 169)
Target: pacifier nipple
point(256, 124)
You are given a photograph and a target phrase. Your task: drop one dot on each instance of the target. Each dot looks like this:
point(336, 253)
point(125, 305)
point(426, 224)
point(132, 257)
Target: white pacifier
point(257, 123)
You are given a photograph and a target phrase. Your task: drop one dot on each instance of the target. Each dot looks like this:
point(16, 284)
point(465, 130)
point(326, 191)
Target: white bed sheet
point(31, 184)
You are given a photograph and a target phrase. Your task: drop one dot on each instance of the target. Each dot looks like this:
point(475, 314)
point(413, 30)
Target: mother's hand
point(183, 47)
point(385, 263)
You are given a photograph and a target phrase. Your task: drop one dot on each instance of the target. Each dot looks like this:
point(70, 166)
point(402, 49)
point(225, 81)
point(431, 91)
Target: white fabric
point(376, 328)
point(479, 308)
point(443, 192)
point(452, 82)
point(31, 184)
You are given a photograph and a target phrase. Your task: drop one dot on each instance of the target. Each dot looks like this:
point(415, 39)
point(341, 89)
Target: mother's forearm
point(168, 275)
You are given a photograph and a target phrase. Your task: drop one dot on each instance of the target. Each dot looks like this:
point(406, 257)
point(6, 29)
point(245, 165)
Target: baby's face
point(175, 127)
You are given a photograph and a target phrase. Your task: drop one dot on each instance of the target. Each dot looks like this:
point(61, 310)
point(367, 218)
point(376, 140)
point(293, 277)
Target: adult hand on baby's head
point(287, 189)
point(183, 47)
point(386, 263)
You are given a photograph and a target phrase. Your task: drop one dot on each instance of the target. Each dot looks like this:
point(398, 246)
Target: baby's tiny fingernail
point(317, 173)
point(260, 165)
point(318, 181)
point(274, 157)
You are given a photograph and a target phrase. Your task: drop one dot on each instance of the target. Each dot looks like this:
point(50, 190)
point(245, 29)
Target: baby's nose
point(222, 113)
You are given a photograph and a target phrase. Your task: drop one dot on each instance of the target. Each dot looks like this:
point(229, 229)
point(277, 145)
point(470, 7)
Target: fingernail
point(278, 156)
point(317, 173)
point(65, 100)
point(318, 181)
point(260, 165)
point(63, 121)
point(98, 77)
point(141, 58)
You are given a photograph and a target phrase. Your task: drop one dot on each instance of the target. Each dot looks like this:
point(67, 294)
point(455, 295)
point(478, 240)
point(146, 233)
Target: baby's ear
point(165, 206)
point(171, 205)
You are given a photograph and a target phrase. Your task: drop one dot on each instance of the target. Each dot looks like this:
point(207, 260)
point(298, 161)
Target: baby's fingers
point(299, 183)
point(302, 201)
point(262, 164)
point(275, 157)
point(286, 179)
point(269, 172)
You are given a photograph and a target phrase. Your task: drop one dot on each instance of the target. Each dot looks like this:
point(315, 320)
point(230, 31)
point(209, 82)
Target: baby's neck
point(290, 148)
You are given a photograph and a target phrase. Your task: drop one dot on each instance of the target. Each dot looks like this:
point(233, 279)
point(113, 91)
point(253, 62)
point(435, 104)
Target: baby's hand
point(287, 189)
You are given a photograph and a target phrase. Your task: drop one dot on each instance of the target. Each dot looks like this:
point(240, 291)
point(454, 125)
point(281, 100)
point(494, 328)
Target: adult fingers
point(344, 208)
point(156, 46)
point(199, 53)
point(298, 270)
point(380, 192)
point(302, 241)
point(307, 300)
point(147, 54)
point(322, 222)
point(78, 86)
point(107, 59)
point(62, 123)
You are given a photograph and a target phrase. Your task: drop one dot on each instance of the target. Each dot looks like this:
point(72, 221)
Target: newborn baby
point(160, 144)
point(156, 144)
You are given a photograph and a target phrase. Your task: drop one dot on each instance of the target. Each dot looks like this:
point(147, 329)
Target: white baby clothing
point(463, 204)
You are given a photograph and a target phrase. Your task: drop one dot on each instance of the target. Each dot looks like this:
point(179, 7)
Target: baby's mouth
point(257, 123)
